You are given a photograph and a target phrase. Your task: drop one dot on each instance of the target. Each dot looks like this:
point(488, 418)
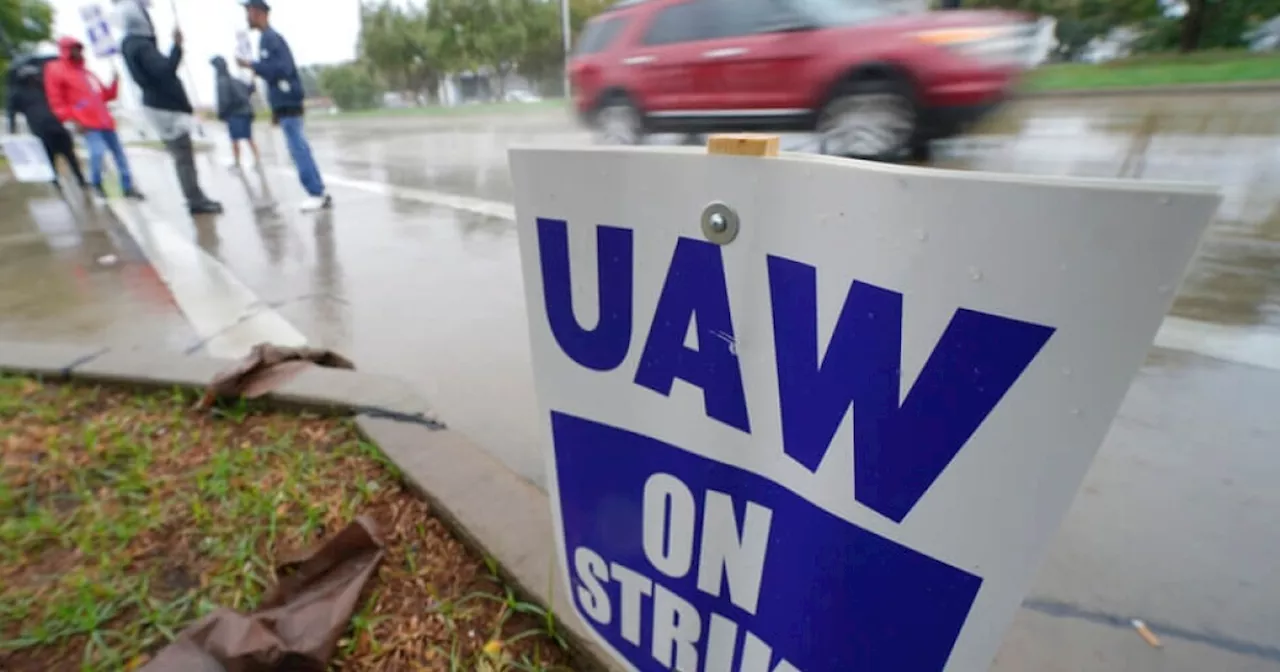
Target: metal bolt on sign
point(719, 223)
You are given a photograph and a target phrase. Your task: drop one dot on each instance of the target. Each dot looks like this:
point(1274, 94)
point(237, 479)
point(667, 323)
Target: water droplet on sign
point(922, 235)
point(1075, 411)
point(975, 273)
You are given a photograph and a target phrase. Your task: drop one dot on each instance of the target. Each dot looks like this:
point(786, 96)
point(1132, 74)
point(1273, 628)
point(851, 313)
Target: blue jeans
point(300, 150)
point(101, 142)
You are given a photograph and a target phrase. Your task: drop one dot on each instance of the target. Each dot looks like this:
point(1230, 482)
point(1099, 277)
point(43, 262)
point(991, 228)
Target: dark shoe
point(134, 195)
point(99, 193)
point(206, 208)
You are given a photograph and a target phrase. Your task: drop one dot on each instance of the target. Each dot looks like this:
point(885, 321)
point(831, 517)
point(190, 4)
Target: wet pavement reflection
point(69, 274)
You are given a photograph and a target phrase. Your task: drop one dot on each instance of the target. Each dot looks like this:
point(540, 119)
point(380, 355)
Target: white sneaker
point(317, 203)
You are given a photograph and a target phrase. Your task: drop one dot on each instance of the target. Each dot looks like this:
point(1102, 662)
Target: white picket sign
point(842, 439)
point(27, 158)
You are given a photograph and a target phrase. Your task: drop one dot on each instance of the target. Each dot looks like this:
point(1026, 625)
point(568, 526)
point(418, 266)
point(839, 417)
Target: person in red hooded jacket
point(79, 100)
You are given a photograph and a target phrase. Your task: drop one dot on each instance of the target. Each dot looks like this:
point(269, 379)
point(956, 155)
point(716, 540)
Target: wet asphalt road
point(416, 274)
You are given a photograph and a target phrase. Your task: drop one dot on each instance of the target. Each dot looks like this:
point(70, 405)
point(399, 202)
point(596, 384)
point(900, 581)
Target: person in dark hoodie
point(27, 98)
point(163, 97)
point(235, 107)
point(276, 67)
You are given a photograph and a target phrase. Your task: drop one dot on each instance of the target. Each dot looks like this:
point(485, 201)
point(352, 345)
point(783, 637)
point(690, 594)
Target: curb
point(1263, 86)
point(491, 508)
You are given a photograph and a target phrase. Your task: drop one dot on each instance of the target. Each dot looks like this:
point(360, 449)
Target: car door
point(667, 63)
point(762, 63)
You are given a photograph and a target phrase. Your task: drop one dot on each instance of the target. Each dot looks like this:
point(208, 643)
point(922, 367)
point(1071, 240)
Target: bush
point(351, 86)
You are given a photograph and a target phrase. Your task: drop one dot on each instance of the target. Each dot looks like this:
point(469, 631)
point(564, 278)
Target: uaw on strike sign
point(842, 439)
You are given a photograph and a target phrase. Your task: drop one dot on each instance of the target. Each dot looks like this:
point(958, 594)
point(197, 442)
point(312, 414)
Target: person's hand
point(244, 62)
point(177, 37)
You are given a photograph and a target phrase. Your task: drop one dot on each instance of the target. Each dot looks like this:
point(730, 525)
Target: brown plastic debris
point(298, 624)
point(266, 368)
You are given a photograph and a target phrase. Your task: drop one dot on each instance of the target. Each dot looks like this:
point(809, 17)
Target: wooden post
point(743, 144)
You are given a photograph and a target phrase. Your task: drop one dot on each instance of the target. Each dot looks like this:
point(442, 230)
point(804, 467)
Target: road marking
point(466, 203)
point(226, 315)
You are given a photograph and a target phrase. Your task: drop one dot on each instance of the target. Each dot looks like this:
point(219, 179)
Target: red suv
point(873, 82)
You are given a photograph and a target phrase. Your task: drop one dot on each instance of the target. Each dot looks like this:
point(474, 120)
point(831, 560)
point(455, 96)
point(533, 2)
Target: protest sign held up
point(244, 48)
point(97, 31)
point(809, 414)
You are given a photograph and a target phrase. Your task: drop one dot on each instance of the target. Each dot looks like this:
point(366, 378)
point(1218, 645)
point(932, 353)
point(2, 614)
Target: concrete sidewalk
point(69, 273)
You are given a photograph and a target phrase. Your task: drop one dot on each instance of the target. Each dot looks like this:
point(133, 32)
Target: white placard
point(27, 158)
point(244, 48)
point(843, 440)
point(98, 31)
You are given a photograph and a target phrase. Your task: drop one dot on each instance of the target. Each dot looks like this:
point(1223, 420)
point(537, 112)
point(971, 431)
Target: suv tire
point(868, 119)
point(618, 122)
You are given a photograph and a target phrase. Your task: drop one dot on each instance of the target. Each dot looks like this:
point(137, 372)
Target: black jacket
point(27, 97)
point(155, 73)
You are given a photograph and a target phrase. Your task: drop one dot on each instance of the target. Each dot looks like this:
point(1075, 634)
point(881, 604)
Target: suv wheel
point(873, 120)
point(618, 122)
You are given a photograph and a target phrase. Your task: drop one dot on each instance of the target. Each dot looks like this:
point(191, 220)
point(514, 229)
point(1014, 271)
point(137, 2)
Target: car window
point(841, 12)
point(599, 34)
point(684, 22)
point(712, 19)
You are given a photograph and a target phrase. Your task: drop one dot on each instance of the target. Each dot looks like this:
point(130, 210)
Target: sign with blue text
point(841, 440)
point(98, 31)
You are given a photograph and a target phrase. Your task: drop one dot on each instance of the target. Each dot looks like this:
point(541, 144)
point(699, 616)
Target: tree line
point(23, 23)
point(1201, 24)
point(411, 48)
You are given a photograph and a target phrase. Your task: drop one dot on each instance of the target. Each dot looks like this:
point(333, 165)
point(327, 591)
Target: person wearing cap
point(27, 98)
point(164, 99)
point(276, 67)
point(79, 100)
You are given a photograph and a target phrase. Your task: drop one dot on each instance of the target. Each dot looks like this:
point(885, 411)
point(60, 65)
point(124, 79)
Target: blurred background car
point(872, 81)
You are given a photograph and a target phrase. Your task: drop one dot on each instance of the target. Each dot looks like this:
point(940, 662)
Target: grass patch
point(1157, 70)
point(125, 515)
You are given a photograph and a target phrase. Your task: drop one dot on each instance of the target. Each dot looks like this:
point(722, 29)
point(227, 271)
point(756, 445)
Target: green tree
point(22, 24)
point(489, 35)
point(406, 46)
point(1213, 24)
point(350, 85)
point(543, 59)
point(1080, 21)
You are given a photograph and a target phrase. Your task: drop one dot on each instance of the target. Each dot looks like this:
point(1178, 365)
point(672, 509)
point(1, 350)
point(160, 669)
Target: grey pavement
point(69, 273)
point(416, 274)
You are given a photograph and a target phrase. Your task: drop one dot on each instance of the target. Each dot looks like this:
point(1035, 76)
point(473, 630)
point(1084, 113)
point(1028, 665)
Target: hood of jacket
point(135, 20)
point(29, 74)
point(65, 45)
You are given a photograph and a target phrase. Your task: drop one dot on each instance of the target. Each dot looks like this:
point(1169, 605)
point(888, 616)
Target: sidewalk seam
point(81, 361)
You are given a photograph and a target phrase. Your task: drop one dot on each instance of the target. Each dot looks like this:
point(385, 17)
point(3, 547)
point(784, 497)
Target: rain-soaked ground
point(416, 274)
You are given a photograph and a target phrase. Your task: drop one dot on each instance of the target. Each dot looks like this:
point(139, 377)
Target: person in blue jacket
point(285, 95)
